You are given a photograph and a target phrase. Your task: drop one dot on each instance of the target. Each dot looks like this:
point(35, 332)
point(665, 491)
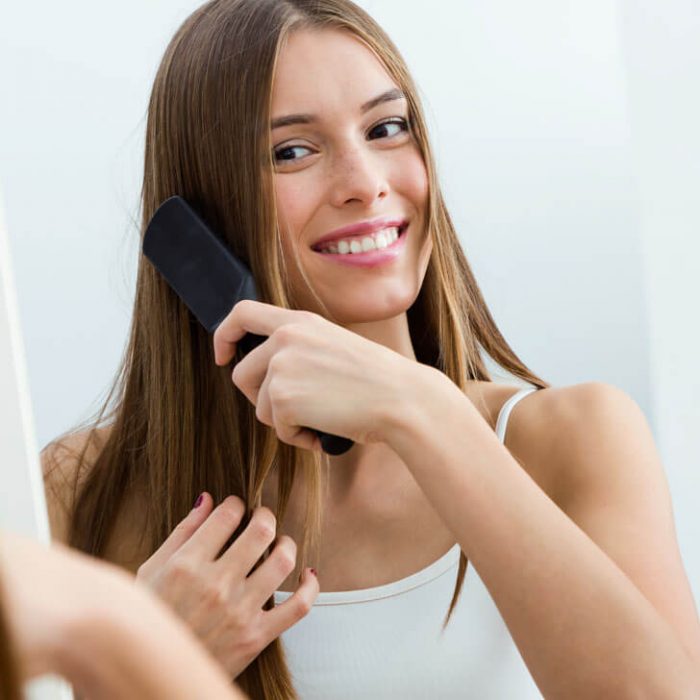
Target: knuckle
point(181, 569)
point(214, 598)
point(264, 523)
point(251, 641)
point(283, 563)
point(244, 305)
point(236, 501)
point(310, 316)
point(231, 510)
point(274, 389)
point(259, 413)
point(285, 333)
point(276, 366)
point(235, 374)
point(290, 333)
point(302, 607)
point(286, 554)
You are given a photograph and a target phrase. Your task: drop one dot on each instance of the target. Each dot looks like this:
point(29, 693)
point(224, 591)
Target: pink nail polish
point(199, 500)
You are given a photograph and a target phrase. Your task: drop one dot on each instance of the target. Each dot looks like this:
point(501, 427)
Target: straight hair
point(177, 427)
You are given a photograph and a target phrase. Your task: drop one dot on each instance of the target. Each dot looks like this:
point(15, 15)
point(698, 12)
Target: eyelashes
point(278, 152)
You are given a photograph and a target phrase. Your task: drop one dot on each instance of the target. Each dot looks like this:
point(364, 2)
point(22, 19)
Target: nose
point(357, 176)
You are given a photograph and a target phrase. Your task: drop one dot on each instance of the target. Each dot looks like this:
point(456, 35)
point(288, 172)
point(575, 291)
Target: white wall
point(554, 198)
point(662, 50)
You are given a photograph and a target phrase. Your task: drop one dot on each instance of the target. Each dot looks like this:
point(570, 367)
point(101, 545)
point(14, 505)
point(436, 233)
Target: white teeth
point(350, 246)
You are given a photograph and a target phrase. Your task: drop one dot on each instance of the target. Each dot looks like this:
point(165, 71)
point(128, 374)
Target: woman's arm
point(90, 623)
point(595, 597)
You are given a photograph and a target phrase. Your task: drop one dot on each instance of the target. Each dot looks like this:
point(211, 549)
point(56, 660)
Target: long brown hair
point(178, 427)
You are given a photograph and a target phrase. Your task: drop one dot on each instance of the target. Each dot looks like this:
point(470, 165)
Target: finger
point(246, 316)
point(298, 437)
point(273, 410)
point(245, 552)
point(263, 405)
point(212, 535)
point(250, 373)
point(184, 529)
point(297, 606)
point(268, 577)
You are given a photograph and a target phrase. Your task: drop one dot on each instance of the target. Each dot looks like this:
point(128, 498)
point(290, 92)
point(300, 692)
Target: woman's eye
point(401, 123)
point(386, 129)
point(280, 156)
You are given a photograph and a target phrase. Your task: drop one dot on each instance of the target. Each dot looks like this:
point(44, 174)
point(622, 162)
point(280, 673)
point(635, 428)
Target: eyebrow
point(388, 96)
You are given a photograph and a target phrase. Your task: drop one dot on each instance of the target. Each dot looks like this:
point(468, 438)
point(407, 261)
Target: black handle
point(332, 444)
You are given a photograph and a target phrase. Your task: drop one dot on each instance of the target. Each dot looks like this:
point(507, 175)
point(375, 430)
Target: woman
point(284, 123)
point(66, 614)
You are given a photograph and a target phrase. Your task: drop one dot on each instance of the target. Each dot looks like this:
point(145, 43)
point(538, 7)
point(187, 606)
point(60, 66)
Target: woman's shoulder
point(65, 462)
point(551, 431)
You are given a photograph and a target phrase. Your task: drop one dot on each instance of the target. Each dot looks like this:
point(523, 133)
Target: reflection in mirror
point(22, 502)
point(453, 279)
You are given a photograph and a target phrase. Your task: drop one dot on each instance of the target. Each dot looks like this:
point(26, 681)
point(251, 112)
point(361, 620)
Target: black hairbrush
point(207, 276)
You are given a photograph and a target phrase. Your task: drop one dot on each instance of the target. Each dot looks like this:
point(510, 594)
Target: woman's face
point(351, 161)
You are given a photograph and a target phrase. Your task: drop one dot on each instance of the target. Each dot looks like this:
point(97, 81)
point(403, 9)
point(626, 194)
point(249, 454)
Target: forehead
point(320, 69)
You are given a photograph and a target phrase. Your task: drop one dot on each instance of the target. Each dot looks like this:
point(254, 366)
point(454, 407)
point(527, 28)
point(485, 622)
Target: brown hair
point(178, 425)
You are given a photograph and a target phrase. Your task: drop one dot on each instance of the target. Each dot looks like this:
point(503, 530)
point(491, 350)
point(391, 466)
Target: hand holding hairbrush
point(207, 276)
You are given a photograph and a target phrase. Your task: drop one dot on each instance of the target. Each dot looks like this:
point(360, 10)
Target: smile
point(361, 244)
point(370, 250)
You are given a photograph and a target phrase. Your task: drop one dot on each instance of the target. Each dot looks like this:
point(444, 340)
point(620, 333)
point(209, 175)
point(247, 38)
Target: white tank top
point(385, 643)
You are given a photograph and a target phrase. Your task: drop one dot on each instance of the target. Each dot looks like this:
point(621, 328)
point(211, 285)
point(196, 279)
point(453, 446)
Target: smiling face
point(351, 161)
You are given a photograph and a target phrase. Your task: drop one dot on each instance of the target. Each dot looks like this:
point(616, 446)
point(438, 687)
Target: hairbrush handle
point(331, 444)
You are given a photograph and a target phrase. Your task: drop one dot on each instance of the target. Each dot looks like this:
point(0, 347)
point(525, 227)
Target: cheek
point(412, 180)
point(293, 204)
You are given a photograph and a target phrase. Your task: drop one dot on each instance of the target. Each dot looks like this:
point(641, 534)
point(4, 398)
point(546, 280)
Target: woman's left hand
point(312, 373)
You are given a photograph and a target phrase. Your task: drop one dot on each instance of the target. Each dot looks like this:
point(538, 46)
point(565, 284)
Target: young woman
point(67, 614)
point(294, 128)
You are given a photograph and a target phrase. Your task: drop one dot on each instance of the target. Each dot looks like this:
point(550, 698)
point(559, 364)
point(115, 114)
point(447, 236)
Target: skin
point(65, 609)
point(347, 167)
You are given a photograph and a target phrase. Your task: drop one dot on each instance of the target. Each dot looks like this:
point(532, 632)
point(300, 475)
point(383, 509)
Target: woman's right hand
point(217, 598)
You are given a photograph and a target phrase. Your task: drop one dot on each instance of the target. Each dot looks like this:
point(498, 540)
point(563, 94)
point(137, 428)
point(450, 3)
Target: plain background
point(566, 139)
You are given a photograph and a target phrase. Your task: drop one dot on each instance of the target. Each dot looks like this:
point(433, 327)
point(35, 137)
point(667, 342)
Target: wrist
point(422, 396)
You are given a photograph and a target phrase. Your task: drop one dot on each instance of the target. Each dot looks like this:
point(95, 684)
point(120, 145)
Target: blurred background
point(568, 149)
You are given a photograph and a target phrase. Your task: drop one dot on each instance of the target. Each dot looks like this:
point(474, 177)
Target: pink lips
point(361, 229)
point(371, 258)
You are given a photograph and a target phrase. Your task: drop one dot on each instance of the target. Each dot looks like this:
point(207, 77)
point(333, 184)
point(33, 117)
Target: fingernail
point(199, 500)
point(314, 572)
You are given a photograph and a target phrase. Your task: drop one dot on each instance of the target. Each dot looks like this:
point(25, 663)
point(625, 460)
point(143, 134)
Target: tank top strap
point(502, 422)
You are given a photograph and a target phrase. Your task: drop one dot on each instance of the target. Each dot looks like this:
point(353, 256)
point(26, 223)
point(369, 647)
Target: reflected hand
point(216, 597)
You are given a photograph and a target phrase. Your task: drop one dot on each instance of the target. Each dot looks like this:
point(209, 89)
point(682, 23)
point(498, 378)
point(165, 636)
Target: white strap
point(507, 407)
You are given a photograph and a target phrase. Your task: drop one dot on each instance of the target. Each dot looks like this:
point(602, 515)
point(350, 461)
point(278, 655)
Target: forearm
point(139, 651)
point(581, 625)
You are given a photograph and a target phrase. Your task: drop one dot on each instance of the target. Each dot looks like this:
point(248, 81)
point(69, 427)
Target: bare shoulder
point(65, 462)
point(530, 429)
point(555, 431)
point(611, 482)
point(564, 427)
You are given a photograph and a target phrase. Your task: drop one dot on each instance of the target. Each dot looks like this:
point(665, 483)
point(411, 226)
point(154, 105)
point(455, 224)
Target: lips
point(360, 229)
